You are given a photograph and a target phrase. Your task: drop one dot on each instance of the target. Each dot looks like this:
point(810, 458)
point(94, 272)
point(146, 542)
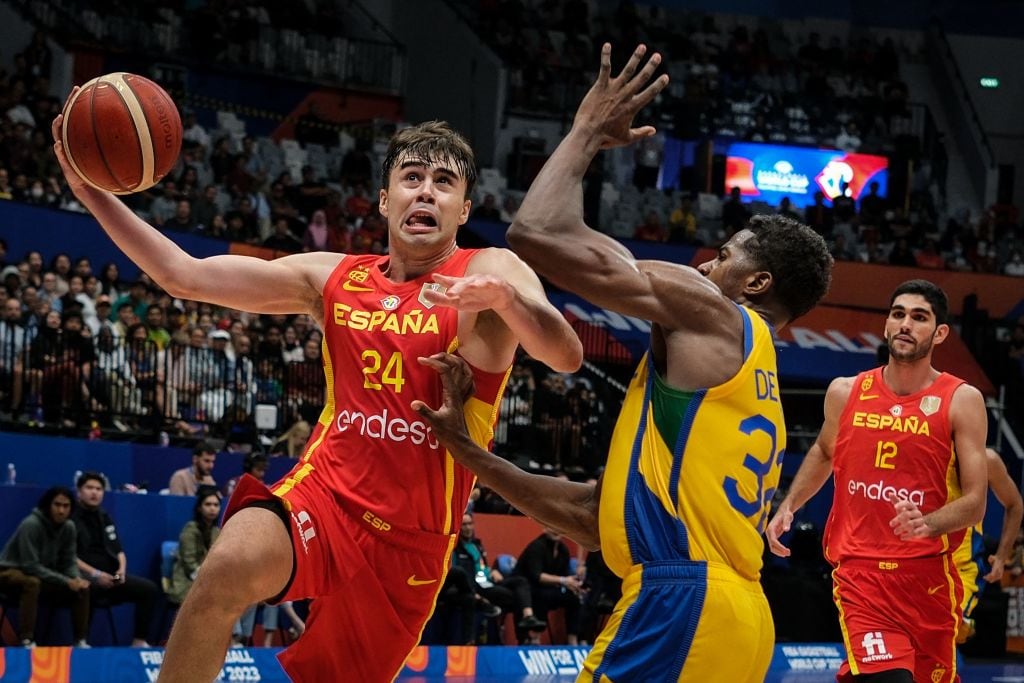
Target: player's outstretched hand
point(779, 525)
point(448, 421)
point(471, 293)
point(606, 112)
point(909, 521)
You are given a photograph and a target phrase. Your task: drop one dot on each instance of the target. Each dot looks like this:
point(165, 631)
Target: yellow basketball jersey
point(691, 475)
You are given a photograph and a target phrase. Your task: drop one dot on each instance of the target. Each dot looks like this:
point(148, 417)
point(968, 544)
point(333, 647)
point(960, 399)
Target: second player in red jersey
point(905, 444)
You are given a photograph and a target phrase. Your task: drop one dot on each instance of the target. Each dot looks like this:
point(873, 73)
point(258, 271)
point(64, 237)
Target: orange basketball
point(121, 133)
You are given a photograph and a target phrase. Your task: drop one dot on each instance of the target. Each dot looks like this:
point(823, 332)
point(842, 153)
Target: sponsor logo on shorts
point(935, 589)
point(879, 490)
point(304, 523)
point(386, 427)
point(874, 647)
point(413, 581)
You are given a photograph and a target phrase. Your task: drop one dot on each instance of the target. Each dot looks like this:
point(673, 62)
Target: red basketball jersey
point(890, 447)
point(369, 447)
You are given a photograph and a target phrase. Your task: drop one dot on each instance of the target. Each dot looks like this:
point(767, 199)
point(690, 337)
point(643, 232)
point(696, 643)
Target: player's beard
point(919, 350)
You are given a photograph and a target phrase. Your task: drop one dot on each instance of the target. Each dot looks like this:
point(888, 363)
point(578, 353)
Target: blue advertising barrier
point(792, 662)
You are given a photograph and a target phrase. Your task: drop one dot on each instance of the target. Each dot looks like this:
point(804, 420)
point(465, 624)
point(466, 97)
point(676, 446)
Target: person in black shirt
point(509, 593)
point(102, 561)
point(545, 564)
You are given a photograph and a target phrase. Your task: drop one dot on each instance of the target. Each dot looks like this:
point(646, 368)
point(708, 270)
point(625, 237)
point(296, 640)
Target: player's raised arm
point(567, 507)
point(549, 232)
point(289, 285)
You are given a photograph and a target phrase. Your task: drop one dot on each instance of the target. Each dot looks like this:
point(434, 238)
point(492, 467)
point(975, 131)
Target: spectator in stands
point(358, 205)
point(283, 240)
point(317, 232)
point(255, 464)
point(102, 561)
point(786, 209)
point(12, 351)
point(902, 254)
point(186, 481)
point(164, 206)
point(840, 249)
point(110, 281)
point(651, 230)
point(872, 206)
point(848, 138)
point(819, 216)
point(193, 132)
point(545, 564)
point(156, 331)
point(139, 296)
point(929, 257)
point(40, 559)
point(293, 441)
point(510, 593)
point(356, 167)
point(682, 223)
point(1014, 265)
point(509, 206)
point(648, 157)
point(182, 220)
point(50, 291)
point(312, 193)
point(488, 210)
point(205, 208)
point(194, 542)
point(734, 212)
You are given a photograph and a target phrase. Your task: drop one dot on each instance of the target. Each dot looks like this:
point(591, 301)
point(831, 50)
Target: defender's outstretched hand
point(448, 421)
point(607, 110)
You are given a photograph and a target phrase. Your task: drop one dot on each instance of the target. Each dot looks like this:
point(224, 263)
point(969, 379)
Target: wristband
point(561, 580)
point(95, 576)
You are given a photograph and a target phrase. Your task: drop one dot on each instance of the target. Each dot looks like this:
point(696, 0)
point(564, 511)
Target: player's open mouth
point(421, 221)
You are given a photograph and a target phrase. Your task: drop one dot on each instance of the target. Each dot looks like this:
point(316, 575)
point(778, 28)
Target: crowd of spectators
point(757, 83)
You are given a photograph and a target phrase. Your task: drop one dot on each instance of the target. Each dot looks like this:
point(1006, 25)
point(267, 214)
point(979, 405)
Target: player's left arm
point(502, 304)
point(969, 425)
point(1008, 495)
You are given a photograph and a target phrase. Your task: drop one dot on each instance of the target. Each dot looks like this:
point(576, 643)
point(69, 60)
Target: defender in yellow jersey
point(698, 446)
point(970, 555)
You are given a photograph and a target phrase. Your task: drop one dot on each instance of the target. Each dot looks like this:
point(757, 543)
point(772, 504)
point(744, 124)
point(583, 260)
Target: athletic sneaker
point(532, 623)
point(28, 643)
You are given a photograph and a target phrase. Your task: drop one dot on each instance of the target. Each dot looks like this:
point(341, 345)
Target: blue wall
point(143, 521)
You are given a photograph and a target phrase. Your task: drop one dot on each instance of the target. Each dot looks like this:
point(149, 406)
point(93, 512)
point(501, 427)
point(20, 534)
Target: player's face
point(424, 204)
point(732, 267)
point(911, 329)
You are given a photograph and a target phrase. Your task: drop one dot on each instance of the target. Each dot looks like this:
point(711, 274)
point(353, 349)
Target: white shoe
point(28, 643)
point(83, 645)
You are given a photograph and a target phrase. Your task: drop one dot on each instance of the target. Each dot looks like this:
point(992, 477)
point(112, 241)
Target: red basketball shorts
point(899, 614)
point(373, 586)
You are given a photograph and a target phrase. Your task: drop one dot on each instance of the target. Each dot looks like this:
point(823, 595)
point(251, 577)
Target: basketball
point(121, 133)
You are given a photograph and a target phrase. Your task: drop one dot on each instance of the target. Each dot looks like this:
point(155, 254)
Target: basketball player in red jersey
point(906, 445)
point(366, 521)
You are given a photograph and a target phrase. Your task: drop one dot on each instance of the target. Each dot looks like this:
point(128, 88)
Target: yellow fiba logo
point(866, 384)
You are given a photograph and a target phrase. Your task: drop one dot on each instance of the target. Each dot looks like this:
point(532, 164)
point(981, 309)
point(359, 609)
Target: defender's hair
point(796, 256)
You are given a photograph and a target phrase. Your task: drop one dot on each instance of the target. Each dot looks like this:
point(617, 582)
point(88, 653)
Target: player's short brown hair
point(430, 142)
